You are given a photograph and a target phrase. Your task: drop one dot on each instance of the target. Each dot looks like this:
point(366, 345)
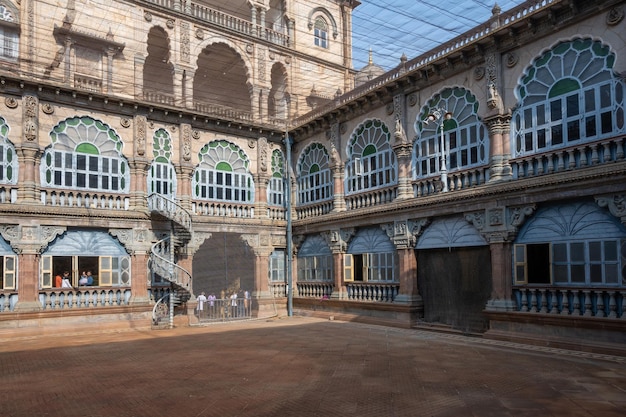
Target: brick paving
point(300, 367)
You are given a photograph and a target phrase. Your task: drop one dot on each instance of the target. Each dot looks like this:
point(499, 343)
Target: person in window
point(58, 281)
point(89, 278)
point(65, 282)
point(83, 279)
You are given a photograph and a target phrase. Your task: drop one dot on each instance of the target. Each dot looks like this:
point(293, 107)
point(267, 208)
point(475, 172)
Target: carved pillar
point(338, 241)
point(29, 157)
point(262, 23)
point(404, 234)
point(262, 177)
point(110, 53)
point(28, 242)
point(337, 168)
point(184, 170)
point(138, 243)
point(67, 60)
point(402, 147)
point(138, 80)
point(138, 166)
point(257, 103)
point(188, 88)
point(29, 153)
point(499, 145)
point(499, 227)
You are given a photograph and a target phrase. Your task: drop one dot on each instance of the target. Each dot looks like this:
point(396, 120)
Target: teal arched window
point(568, 95)
point(86, 154)
point(8, 158)
point(314, 176)
point(223, 174)
point(275, 188)
point(372, 163)
point(466, 139)
point(162, 176)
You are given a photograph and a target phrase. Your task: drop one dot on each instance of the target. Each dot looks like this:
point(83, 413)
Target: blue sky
point(393, 27)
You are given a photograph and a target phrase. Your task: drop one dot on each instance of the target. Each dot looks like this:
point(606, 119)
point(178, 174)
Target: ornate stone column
point(499, 141)
point(499, 227)
point(402, 147)
point(262, 177)
point(184, 169)
point(187, 93)
point(338, 241)
point(337, 168)
point(138, 243)
point(139, 166)
point(29, 152)
point(404, 235)
point(28, 242)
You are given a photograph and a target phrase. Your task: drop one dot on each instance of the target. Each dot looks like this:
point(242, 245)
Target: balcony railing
point(86, 199)
point(68, 298)
point(372, 198)
point(224, 20)
point(314, 210)
point(8, 300)
point(315, 289)
point(223, 209)
point(372, 292)
point(457, 180)
point(8, 194)
point(571, 301)
point(586, 154)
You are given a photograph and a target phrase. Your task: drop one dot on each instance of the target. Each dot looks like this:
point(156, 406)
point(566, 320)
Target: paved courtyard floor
point(300, 367)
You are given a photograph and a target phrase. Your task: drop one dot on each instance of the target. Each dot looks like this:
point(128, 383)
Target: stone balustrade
point(371, 198)
point(457, 180)
point(276, 213)
point(587, 302)
point(8, 299)
point(583, 155)
point(222, 209)
point(372, 291)
point(8, 194)
point(85, 199)
point(314, 210)
point(83, 297)
point(278, 289)
point(314, 289)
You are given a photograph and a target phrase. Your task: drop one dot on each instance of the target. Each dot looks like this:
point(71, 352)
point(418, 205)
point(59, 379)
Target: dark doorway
point(455, 285)
point(223, 263)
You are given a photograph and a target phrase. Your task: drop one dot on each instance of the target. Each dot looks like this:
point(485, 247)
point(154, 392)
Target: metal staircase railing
point(163, 257)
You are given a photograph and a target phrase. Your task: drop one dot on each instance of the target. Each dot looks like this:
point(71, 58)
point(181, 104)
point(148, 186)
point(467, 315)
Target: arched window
point(314, 176)
point(315, 260)
point(466, 139)
point(571, 244)
point(223, 174)
point(320, 31)
point(86, 250)
point(568, 95)
point(162, 177)
point(372, 163)
point(8, 271)
point(371, 257)
point(8, 158)
point(275, 189)
point(9, 34)
point(86, 154)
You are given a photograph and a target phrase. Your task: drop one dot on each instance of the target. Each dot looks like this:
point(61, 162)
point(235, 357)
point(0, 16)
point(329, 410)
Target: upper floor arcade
point(246, 61)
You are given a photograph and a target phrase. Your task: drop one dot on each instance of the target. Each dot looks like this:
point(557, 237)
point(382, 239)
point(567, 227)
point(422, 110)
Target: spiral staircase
point(163, 259)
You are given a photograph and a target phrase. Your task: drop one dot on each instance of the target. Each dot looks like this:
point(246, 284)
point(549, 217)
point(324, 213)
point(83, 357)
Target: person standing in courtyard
point(201, 302)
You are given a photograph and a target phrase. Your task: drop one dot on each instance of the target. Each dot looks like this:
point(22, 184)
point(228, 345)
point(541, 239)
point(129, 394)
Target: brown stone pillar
point(29, 156)
point(140, 278)
point(501, 277)
point(28, 283)
point(499, 146)
point(407, 271)
point(340, 287)
point(138, 184)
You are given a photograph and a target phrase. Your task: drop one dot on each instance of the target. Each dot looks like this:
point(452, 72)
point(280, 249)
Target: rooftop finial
point(371, 61)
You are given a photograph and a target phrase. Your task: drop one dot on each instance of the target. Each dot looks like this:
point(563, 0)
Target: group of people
point(64, 281)
point(224, 307)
